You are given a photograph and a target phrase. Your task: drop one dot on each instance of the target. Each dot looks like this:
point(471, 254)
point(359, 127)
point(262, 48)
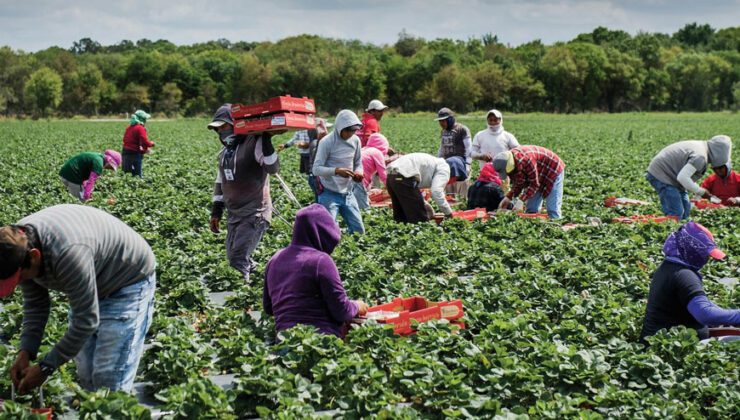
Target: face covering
point(227, 137)
point(496, 129)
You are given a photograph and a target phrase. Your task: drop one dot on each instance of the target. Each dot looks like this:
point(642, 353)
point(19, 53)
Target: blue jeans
point(363, 201)
point(553, 201)
point(673, 201)
point(346, 205)
point(110, 357)
point(132, 163)
point(314, 188)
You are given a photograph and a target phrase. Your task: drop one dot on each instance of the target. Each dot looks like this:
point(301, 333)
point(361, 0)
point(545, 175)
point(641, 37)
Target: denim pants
point(110, 357)
point(363, 201)
point(673, 201)
point(314, 188)
point(346, 205)
point(132, 162)
point(553, 201)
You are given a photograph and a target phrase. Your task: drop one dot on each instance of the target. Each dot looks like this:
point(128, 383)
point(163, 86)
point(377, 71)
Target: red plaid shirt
point(536, 171)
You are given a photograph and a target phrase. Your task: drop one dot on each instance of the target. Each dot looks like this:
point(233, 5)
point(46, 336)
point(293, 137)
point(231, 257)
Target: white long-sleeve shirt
point(431, 172)
point(488, 142)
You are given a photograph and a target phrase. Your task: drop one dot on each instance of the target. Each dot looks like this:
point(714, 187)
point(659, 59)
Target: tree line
point(695, 69)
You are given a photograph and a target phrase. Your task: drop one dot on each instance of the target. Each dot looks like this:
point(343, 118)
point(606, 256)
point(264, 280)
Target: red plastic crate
point(273, 105)
point(620, 201)
point(281, 121)
point(647, 218)
point(421, 310)
point(706, 205)
point(533, 215)
point(723, 331)
point(377, 196)
point(472, 214)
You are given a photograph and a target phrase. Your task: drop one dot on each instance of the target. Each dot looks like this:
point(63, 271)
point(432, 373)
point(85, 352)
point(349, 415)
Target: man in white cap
point(371, 120)
point(494, 139)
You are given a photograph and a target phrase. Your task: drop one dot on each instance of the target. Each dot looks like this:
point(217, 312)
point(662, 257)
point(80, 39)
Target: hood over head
point(379, 142)
point(720, 149)
point(346, 118)
point(691, 245)
point(314, 227)
point(139, 117)
point(221, 116)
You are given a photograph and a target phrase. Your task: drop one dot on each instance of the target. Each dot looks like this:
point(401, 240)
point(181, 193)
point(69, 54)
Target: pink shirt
point(373, 162)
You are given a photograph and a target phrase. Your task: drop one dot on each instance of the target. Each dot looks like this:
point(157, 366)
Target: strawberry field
point(552, 316)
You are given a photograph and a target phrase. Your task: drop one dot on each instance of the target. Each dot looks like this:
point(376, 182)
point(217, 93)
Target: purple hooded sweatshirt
point(302, 284)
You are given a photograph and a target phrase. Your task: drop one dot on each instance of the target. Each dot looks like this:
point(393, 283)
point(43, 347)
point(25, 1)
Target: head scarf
point(139, 117)
point(488, 174)
point(691, 246)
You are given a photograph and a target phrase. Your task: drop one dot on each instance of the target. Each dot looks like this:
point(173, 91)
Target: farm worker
point(677, 294)
point(302, 140)
point(81, 171)
point(407, 175)
point(673, 172)
point(105, 269)
point(494, 139)
point(373, 163)
point(135, 143)
point(322, 129)
point(724, 184)
point(371, 120)
point(338, 167)
point(455, 141)
point(536, 173)
point(302, 284)
point(243, 188)
point(486, 191)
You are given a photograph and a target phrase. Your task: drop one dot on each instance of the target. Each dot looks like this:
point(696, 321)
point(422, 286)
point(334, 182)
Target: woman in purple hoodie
point(302, 283)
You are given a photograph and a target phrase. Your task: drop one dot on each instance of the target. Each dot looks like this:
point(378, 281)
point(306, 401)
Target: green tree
point(452, 87)
point(83, 90)
point(43, 92)
point(133, 97)
point(694, 35)
point(696, 81)
point(169, 99)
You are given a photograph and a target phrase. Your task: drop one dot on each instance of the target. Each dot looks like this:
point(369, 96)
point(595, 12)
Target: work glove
point(518, 205)
point(735, 201)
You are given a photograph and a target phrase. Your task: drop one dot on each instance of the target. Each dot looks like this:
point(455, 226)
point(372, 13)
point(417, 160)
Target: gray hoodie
point(667, 164)
point(334, 152)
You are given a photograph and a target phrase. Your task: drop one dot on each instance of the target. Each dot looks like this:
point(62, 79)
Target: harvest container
point(706, 205)
point(472, 214)
point(621, 201)
point(274, 122)
point(646, 218)
point(274, 105)
point(419, 309)
point(41, 411)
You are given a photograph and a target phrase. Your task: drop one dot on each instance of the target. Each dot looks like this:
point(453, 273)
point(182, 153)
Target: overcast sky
point(32, 25)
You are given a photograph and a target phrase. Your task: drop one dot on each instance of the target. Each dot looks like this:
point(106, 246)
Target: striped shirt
point(87, 254)
point(537, 169)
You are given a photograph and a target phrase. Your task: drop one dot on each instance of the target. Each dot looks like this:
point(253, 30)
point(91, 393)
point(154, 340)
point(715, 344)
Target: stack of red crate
point(400, 313)
point(278, 113)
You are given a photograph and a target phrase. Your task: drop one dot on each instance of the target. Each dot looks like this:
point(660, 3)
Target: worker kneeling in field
point(677, 294)
point(724, 184)
point(105, 269)
point(486, 191)
point(243, 188)
point(537, 173)
point(81, 171)
point(673, 172)
point(406, 176)
point(302, 284)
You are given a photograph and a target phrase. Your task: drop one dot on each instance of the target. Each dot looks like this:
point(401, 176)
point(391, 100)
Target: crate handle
point(41, 393)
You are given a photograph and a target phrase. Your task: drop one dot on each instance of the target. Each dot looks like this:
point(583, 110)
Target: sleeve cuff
point(270, 160)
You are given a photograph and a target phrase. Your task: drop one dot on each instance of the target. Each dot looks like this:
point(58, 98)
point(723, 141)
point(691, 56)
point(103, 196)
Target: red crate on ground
point(273, 105)
point(723, 331)
point(377, 196)
point(281, 121)
point(706, 205)
point(644, 218)
point(401, 311)
point(472, 214)
point(621, 201)
point(533, 215)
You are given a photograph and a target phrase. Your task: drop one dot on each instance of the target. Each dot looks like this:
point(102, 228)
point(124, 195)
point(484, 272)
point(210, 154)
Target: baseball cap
point(221, 116)
point(693, 228)
point(444, 113)
point(13, 250)
point(503, 163)
point(376, 105)
point(495, 112)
